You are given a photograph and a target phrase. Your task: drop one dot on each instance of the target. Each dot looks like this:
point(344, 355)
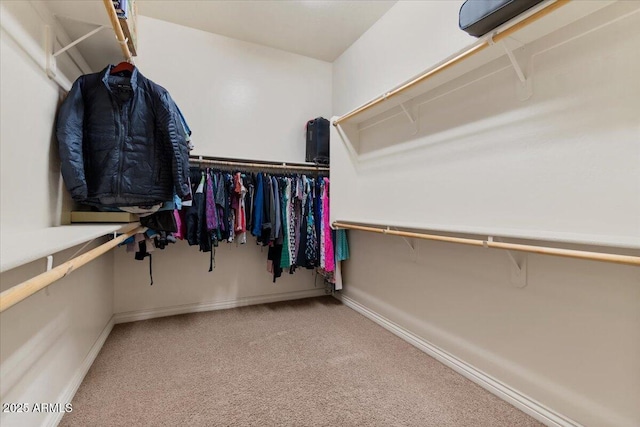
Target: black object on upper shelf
point(478, 17)
point(318, 141)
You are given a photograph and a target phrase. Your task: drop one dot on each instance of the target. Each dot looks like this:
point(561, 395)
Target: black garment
point(142, 254)
point(301, 258)
point(249, 183)
point(204, 235)
point(121, 141)
point(220, 197)
point(275, 255)
point(192, 218)
point(228, 189)
point(265, 237)
point(160, 221)
point(318, 218)
point(162, 240)
point(191, 212)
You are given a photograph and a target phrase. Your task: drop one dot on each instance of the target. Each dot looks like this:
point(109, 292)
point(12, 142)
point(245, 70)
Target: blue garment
point(182, 119)
point(342, 246)
point(257, 210)
point(177, 201)
point(121, 142)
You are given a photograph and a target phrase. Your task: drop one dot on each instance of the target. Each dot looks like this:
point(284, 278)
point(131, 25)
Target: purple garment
point(210, 208)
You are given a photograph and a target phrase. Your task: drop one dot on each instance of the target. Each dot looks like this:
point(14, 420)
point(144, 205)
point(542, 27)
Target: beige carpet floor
point(312, 362)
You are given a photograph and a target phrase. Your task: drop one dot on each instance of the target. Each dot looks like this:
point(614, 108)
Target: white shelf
point(19, 248)
point(565, 15)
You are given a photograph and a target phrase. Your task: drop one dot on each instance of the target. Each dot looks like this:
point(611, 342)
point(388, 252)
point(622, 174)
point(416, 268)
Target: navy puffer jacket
point(121, 141)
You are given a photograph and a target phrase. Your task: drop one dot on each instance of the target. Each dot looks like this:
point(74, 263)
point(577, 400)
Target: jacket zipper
point(123, 136)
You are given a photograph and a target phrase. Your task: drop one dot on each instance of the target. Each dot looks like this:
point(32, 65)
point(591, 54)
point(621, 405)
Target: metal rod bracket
point(410, 242)
point(514, 62)
point(50, 66)
point(49, 268)
point(78, 40)
point(406, 112)
point(412, 120)
point(49, 38)
point(524, 87)
point(517, 268)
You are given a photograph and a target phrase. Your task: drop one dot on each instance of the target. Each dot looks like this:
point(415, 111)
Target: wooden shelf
point(483, 51)
point(19, 248)
point(103, 217)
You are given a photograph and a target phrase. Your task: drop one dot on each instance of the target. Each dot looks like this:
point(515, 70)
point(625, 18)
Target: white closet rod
point(265, 165)
point(568, 253)
point(25, 289)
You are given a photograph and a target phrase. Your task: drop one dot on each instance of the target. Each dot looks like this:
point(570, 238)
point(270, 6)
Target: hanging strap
point(150, 270)
point(211, 258)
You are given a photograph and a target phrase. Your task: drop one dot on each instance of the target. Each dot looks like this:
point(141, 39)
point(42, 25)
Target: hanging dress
point(329, 259)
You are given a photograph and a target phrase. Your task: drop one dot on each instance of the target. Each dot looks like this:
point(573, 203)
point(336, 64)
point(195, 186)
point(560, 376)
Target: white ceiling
point(321, 29)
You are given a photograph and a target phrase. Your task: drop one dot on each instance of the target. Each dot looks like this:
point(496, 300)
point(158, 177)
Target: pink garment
point(178, 234)
point(329, 259)
point(240, 223)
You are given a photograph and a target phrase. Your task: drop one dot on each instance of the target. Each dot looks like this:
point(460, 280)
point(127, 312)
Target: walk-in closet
point(320, 213)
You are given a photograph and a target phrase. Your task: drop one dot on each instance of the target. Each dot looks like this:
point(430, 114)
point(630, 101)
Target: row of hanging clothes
point(288, 213)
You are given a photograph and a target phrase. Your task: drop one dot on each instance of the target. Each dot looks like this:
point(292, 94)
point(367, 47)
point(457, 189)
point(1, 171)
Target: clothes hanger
point(123, 66)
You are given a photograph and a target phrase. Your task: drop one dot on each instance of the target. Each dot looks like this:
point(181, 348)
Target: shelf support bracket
point(411, 242)
point(49, 268)
point(524, 88)
point(514, 63)
point(346, 141)
point(51, 55)
point(410, 117)
point(518, 267)
point(406, 112)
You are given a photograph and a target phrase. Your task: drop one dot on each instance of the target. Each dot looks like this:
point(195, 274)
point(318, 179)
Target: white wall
point(482, 147)
point(44, 339)
point(566, 160)
point(182, 281)
point(385, 56)
point(28, 155)
point(242, 101)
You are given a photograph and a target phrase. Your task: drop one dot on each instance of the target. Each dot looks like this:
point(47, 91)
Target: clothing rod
point(453, 61)
point(259, 165)
point(17, 293)
point(568, 253)
point(122, 40)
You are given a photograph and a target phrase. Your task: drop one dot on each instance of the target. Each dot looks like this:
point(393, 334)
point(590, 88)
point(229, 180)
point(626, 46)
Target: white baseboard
point(526, 404)
point(67, 395)
point(132, 316)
